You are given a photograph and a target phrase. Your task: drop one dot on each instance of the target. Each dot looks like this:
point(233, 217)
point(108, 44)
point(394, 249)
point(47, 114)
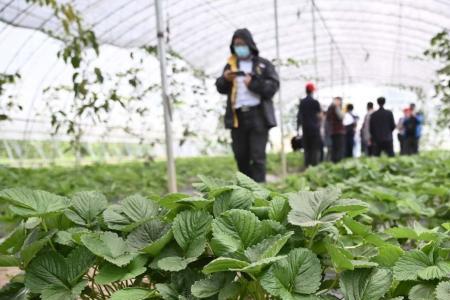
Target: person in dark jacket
point(410, 123)
point(382, 124)
point(350, 123)
point(308, 117)
point(250, 82)
point(335, 118)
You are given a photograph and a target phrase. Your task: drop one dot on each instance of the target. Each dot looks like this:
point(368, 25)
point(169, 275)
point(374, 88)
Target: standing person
point(381, 126)
point(410, 124)
point(250, 82)
point(401, 130)
point(335, 118)
point(366, 145)
point(308, 117)
point(350, 122)
point(420, 120)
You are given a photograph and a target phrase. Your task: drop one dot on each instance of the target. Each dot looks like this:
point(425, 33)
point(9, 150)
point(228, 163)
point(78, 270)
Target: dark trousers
point(366, 148)
point(312, 145)
point(249, 144)
point(401, 140)
point(410, 145)
point(349, 142)
point(337, 147)
point(383, 146)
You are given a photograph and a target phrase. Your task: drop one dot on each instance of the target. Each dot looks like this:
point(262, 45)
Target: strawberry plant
point(230, 240)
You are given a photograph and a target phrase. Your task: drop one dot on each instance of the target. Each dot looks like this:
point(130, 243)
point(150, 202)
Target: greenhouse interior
point(217, 149)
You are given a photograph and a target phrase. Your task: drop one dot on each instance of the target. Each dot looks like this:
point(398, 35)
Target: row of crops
point(365, 229)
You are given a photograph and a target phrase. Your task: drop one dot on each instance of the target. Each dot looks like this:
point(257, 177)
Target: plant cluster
point(231, 240)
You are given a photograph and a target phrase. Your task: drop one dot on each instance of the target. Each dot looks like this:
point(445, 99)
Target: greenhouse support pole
point(171, 174)
point(280, 97)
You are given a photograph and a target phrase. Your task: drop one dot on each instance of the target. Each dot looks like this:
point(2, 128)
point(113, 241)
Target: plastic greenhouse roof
point(350, 41)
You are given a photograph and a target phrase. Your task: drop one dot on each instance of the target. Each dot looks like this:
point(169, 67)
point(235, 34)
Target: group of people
point(335, 129)
point(250, 82)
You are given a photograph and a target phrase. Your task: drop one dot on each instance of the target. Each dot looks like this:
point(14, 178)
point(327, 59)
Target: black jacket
point(308, 116)
point(381, 125)
point(264, 82)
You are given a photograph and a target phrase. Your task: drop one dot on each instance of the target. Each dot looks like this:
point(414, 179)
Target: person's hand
point(247, 79)
point(228, 75)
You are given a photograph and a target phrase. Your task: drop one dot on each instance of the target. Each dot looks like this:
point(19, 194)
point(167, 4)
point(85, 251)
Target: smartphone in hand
point(238, 73)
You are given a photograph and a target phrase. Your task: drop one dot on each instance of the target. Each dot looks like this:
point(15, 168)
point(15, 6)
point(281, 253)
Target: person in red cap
point(308, 117)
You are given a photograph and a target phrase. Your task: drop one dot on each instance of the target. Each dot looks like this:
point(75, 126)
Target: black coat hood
point(245, 34)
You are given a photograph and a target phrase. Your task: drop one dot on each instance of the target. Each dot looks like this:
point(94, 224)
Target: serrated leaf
point(402, 233)
point(109, 246)
point(111, 273)
point(278, 209)
point(223, 264)
point(30, 203)
point(151, 237)
point(14, 241)
point(416, 264)
point(237, 198)
point(388, 255)
point(295, 276)
point(130, 213)
point(174, 263)
point(423, 291)
point(338, 258)
point(86, 206)
point(248, 183)
point(210, 286)
point(190, 229)
point(52, 272)
point(443, 290)
point(234, 230)
point(133, 293)
point(267, 248)
point(365, 284)
point(315, 208)
point(57, 292)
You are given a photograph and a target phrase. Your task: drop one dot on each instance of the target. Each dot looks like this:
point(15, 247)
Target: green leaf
point(416, 264)
point(34, 242)
point(9, 261)
point(322, 207)
point(423, 291)
point(133, 294)
point(210, 286)
point(238, 198)
point(151, 237)
point(338, 258)
point(234, 230)
point(166, 291)
point(402, 233)
point(86, 206)
point(257, 267)
point(174, 263)
point(443, 290)
point(388, 255)
point(190, 229)
point(365, 284)
point(295, 276)
point(52, 272)
point(223, 264)
point(130, 213)
point(248, 183)
point(111, 273)
point(57, 292)
point(30, 203)
point(14, 241)
point(267, 248)
point(278, 209)
point(109, 246)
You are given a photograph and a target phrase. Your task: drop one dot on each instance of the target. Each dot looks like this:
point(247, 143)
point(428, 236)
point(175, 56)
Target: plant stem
point(311, 241)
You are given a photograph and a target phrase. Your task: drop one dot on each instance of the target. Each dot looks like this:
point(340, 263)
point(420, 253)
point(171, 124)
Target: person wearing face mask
point(250, 82)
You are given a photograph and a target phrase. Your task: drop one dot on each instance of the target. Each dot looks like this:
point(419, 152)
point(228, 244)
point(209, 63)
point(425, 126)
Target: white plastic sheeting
point(356, 41)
